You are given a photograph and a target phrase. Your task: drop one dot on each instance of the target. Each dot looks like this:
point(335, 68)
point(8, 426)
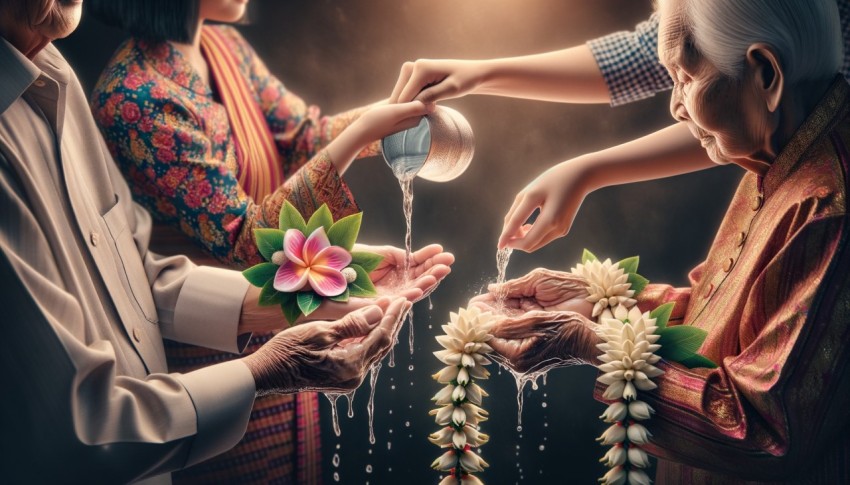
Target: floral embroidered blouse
point(172, 139)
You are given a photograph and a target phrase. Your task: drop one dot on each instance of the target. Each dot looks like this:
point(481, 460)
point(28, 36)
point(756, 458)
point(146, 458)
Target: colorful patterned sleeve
point(299, 129)
point(187, 179)
point(769, 409)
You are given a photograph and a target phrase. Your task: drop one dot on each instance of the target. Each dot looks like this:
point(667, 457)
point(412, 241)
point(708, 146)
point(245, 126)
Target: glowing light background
point(341, 54)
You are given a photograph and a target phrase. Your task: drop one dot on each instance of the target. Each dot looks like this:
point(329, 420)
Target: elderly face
point(722, 113)
point(29, 25)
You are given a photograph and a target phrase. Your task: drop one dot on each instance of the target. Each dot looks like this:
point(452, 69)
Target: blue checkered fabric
point(629, 60)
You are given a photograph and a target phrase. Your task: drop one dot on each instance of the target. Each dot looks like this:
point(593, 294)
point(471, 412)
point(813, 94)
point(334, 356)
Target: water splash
point(523, 378)
point(370, 407)
point(502, 258)
point(410, 327)
point(406, 184)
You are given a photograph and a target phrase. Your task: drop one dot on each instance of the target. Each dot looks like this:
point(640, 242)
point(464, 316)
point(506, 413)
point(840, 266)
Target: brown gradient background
point(341, 54)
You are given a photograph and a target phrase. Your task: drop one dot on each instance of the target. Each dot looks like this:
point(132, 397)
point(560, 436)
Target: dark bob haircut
point(151, 20)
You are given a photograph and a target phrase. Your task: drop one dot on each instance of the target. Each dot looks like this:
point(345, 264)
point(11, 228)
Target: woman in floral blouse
point(213, 144)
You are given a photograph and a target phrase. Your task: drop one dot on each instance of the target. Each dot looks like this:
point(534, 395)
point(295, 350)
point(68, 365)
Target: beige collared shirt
point(84, 306)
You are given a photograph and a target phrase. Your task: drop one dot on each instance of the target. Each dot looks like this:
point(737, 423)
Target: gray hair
point(805, 33)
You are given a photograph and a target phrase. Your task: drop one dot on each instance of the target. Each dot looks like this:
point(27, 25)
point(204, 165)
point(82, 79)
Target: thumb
point(358, 323)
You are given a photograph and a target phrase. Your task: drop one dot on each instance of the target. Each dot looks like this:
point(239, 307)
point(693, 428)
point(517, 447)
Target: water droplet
point(517, 446)
point(336, 476)
point(350, 397)
point(430, 326)
point(543, 404)
point(545, 395)
point(430, 305)
point(390, 470)
point(391, 411)
point(370, 451)
point(389, 447)
point(519, 428)
point(337, 446)
point(391, 431)
point(410, 367)
point(370, 407)
point(545, 425)
point(392, 387)
point(407, 423)
point(332, 397)
point(368, 468)
point(335, 460)
point(541, 447)
point(411, 383)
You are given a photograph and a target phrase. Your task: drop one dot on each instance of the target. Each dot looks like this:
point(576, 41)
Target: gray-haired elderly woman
point(756, 82)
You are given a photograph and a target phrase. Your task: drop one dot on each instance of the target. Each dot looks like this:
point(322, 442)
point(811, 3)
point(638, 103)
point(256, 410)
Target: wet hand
point(540, 290)
point(327, 356)
point(533, 339)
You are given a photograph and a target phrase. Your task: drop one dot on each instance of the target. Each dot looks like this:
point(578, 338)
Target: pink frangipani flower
point(312, 260)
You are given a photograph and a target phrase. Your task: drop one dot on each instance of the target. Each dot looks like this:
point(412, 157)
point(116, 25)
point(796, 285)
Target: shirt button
point(757, 202)
point(742, 236)
point(709, 290)
point(39, 83)
point(94, 238)
point(727, 266)
point(137, 334)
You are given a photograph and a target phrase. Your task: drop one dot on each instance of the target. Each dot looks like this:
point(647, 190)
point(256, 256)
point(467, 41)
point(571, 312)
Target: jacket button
point(94, 238)
point(757, 202)
point(137, 334)
point(709, 290)
point(727, 265)
point(742, 236)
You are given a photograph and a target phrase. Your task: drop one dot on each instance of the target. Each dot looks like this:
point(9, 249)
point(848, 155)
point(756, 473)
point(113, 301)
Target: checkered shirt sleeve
point(629, 63)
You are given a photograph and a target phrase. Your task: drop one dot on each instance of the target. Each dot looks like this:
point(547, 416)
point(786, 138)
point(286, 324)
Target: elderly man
point(86, 397)
point(757, 83)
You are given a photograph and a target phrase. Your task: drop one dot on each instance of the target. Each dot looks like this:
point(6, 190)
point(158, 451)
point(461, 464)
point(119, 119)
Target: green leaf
point(362, 286)
point(369, 261)
point(344, 232)
point(680, 342)
point(258, 275)
point(697, 360)
point(308, 301)
point(290, 218)
point(342, 297)
point(289, 306)
point(587, 256)
point(321, 218)
point(269, 296)
point(662, 315)
point(638, 282)
point(268, 241)
point(629, 265)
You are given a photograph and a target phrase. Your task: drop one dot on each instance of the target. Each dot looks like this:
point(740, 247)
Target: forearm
point(665, 153)
point(569, 76)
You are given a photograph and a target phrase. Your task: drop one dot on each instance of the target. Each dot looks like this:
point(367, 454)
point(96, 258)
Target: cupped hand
point(540, 290)
point(327, 356)
point(558, 193)
point(428, 267)
point(533, 339)
point(429, 80)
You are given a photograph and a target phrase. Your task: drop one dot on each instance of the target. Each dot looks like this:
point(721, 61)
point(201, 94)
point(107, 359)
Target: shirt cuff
point(208, 310)
point(223, 395)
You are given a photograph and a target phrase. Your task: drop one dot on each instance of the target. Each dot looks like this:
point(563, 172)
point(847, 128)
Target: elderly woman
point(757, 83)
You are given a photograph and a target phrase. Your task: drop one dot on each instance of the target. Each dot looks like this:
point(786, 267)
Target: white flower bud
point(445, 462)
point(629, 391)
point(459, 417)
point(615, 433)
point(638, 477)
point(463, 376)
point(638, 434)
point(459, 439)
point(458, 394)
point(638, 457)
point(470, 461)
point(615, 476)
point(349, 274)
point(616, 456)
point(278, 258)
point(640, 410)
point(614, 412)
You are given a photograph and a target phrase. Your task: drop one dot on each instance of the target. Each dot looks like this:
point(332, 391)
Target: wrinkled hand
point(558, 193)
point(540, 290)
point(529, 341)
point(327, 356)
point(430, 80)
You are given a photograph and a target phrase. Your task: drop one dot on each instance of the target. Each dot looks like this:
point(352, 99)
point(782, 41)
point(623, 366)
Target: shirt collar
point(832, 106)
point(18, 74)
